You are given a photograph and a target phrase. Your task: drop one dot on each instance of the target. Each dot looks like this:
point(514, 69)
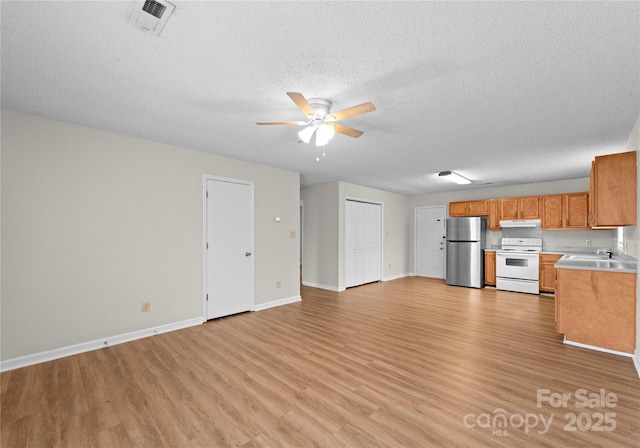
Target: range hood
point(520, 223)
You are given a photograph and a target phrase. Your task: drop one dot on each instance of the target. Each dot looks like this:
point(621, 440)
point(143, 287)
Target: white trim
point(327, 287)
point(205, 178)
point(396, 277)
point(62, 352)
point(274, 303)
point(301, 233)
point(599, 349)
point(636, 362)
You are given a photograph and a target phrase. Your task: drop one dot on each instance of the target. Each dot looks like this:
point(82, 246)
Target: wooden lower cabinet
point(548, 272)
point(597, 308)
point(489, 267)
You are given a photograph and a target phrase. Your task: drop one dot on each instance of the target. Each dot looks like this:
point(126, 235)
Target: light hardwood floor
point(404, 363)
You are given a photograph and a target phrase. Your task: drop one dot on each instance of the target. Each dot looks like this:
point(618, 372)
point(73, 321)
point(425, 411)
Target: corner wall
point(323, 264)
point(94, 223)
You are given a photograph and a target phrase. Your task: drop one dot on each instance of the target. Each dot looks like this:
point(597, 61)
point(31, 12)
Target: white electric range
point(518, 265)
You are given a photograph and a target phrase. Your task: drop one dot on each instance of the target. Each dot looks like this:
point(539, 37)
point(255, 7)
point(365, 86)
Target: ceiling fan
point(320, 121)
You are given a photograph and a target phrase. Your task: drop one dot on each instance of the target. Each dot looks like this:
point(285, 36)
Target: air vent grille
point(151, 15)
point(154, 8)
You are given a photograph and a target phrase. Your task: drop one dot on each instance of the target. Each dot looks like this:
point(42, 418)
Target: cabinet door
point(615, 189)
point(477, 208)
point(494, 215)
point(529, 207)
point(592, 195)
point(490, 268)
point(508, 208)
point(552, 216)
point(548, 272)
point(458, 208)
point(575, 209)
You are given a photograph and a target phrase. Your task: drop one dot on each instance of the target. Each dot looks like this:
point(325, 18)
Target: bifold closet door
point(363, 249)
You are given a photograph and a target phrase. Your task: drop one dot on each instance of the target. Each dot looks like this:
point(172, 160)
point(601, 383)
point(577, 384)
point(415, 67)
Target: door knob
point(247, 254)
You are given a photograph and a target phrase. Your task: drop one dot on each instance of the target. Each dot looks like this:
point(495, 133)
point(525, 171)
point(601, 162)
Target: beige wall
point(323, 263)
point(94, 223)
point(395, 232)
point(320, 236)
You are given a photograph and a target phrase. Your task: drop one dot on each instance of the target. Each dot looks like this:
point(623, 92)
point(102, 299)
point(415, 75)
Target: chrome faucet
point(606, 252)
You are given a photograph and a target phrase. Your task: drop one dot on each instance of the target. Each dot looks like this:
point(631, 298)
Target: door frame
point(250, 183)
point(344, 231)
point(415, 238)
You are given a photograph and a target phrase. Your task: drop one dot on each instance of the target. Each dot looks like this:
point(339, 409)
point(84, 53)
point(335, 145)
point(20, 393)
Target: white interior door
point(362, 238)
point(229, 247)
point(430, 240)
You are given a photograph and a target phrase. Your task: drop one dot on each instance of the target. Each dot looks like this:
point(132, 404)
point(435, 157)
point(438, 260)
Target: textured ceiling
point(500, 92)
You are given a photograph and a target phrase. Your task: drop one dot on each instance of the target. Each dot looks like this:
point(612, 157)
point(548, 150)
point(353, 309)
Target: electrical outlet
point(146, 307)
point(588, 242)
point(278, 285)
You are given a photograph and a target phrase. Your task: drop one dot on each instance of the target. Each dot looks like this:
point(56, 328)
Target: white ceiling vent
point(151, 15)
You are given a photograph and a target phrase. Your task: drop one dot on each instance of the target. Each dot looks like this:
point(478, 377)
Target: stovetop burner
point(522, 244)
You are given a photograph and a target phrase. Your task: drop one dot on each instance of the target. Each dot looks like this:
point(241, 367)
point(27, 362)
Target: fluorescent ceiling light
point(453, 177)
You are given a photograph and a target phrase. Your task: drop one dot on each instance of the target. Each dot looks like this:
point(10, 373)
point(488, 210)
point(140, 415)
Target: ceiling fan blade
point(351, 112)
point(279, 122)
point(302, 103)
point(346, 130)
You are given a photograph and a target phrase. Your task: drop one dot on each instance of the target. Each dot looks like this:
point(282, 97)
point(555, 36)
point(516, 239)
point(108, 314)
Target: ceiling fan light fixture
point(324, 134)
point(454, 177)
point(306, 134)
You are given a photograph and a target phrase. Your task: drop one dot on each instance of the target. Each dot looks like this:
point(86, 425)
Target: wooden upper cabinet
point(494, 215)
point(527, 207)
point(564, 211)
point(576, 210)
point(613, 190)
point(478, 208)
point(508, 208)
point(552, 211)
point(457, 209)
point(469, 208)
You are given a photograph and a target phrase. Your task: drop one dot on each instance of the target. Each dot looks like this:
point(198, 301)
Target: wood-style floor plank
point(393, 364)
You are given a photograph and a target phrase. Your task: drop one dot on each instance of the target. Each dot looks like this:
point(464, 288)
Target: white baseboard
point(327, 287)
point(599, 349)
point(396, 277)
point(274, 303)
point(636, 361)
point(50, 355)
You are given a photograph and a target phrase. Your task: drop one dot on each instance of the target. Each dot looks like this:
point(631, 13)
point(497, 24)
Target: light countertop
point(594, 262)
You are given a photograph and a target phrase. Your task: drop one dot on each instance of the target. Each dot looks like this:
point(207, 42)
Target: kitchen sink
point(586, 257)
point(599, 264)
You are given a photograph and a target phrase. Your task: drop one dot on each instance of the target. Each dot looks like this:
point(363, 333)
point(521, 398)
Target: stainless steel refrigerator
point(465, 251)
